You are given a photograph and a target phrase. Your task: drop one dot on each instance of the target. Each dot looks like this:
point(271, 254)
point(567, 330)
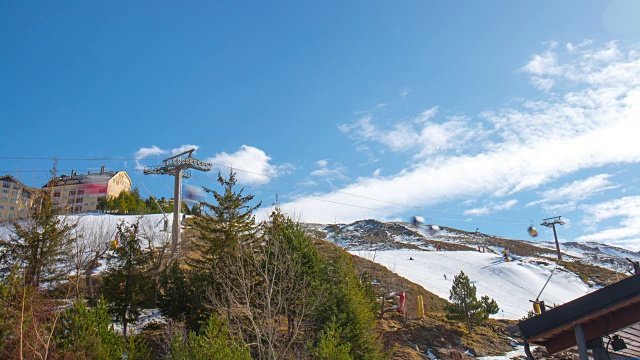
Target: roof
point(614, 309)
point(82, 179)
point(24, 187)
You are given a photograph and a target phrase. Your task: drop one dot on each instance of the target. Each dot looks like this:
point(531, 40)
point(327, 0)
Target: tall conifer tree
point(465, 305)
point(39, 245)
point(127, 284)
point(223, 226)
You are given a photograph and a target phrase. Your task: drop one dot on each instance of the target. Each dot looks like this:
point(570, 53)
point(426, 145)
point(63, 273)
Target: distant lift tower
point(178, 166)
point(551, 223)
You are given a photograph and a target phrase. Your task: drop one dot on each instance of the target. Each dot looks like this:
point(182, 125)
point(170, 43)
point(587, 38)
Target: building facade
point(15, 198)
point(80, 193)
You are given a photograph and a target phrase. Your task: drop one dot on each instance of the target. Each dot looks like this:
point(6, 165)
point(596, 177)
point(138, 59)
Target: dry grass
point(591, 274)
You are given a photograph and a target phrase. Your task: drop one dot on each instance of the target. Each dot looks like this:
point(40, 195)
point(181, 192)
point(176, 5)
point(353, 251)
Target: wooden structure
point(590, 322)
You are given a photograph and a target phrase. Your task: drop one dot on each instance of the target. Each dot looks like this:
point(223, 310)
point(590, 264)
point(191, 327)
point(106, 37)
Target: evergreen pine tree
point(87, 333)
point(39, 245)
point(213, 343)
point(490, 305)
point(178, 298)
point(223, 226)
point(220, 230)
point(465, 306)
point(329, 346)
point(127, 285)
point(349, 302)
point(294, 251)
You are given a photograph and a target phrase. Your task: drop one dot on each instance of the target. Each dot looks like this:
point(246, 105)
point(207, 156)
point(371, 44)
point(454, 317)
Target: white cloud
point(491, 208)
point(528, 144)
point(143, 153)
point(183, 148)
point(544, 84)
point(404, 92)
point(252, 165)
point(478, 211)
point(337, 171)
point(308, 183)
point(568, 194)
point(627, 234)
point(419, 135)
point(543, 64)
point(328, 173)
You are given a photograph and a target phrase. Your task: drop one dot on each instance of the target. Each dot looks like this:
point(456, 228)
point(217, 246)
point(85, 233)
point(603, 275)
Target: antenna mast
point(178, 166)
point(551, 223)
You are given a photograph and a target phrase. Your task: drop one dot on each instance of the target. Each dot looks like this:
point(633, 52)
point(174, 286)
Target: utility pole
point(54, 174)
point(551, 223)
point(177, 166)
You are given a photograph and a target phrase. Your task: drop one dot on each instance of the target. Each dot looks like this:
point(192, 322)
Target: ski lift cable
point(552, 272)
point(156, 201)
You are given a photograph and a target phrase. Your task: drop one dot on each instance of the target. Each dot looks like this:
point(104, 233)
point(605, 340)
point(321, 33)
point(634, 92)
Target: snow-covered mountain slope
point(375, 235)
point(512, 284)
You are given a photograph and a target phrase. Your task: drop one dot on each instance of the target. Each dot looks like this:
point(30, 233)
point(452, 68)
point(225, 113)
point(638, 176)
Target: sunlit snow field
point(511, 284)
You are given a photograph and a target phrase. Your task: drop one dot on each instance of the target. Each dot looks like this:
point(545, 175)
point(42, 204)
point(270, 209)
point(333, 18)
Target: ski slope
point(511, 284)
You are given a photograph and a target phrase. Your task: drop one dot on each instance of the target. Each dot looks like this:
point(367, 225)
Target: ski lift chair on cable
point(418, 221)
point(532, 231)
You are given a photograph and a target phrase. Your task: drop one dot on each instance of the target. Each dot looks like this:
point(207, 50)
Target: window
point(12, 208)
point(14, 200)
point(14, 193)
point(10, 216)
point(22, 210)
point(5, 191)
point(4, 198)
point(6, 184)
point(1, 206)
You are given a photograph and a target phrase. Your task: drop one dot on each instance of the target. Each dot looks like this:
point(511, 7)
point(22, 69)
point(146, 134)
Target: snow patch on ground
point(518, 353)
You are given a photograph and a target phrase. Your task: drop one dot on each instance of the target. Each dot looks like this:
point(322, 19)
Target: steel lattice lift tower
point(178, 166)
point(551, 223)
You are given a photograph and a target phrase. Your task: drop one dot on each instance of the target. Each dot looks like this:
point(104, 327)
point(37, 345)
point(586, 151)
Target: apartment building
point(15, 198)
point(80, 192)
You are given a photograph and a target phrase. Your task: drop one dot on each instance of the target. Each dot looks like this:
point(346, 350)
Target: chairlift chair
point(532, 231)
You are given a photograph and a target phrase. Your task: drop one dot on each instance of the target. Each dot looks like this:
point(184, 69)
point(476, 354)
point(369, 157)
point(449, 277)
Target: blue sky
point(470, 114)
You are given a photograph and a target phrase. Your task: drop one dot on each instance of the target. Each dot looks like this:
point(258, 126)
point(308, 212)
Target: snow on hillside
point(90, 224)
point(511, 284)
